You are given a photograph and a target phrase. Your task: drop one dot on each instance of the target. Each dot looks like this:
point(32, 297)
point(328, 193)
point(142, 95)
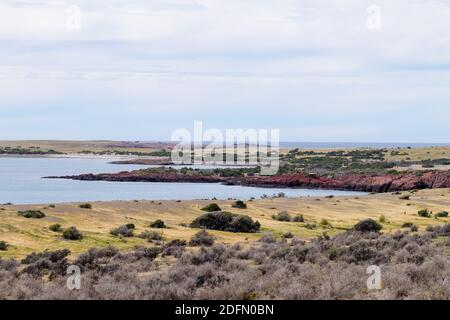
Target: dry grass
point(28, 235)
point(68, 146)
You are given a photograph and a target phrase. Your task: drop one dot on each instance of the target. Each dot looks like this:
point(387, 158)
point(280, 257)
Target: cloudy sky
point(319, 70)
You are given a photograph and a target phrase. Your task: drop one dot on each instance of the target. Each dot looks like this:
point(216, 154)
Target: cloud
point(301, 66)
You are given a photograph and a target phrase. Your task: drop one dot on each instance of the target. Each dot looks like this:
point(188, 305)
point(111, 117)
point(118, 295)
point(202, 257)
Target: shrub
point(174, 248)
point(288, 235)
point(3, 246)
point(368, 225)
point(55, 227)
point(123, 231)
point(130, 226)
point(325, 222)
point(226, 221)
point(239, 204)
point(34, 214)
point(72, 233)
point(442, 214)
point(405, 197)
point(282, 216)
point(151, 253)
point(151, 236)
point(407, 225)
point(202, 238)
point(411, 226)
point(268, 238)
point(53, 256)
point(424, 213)
point(51, 206)
point(85, 206)
point(298, 218)
point(159, 224)
point(382, 219)
point(310, 226)
point(212, 207)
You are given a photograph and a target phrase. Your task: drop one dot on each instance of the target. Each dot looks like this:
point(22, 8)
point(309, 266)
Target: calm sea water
point(21, 182)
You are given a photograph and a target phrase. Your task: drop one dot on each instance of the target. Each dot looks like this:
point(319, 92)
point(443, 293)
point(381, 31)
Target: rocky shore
point(366, 183)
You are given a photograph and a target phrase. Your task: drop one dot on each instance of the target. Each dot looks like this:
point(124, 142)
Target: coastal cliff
point(353, 182)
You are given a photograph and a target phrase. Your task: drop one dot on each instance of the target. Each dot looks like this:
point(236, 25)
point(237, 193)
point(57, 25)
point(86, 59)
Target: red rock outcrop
point(383, 183)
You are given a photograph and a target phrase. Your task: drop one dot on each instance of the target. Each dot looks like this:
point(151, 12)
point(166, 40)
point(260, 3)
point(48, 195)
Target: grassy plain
point(28, 235)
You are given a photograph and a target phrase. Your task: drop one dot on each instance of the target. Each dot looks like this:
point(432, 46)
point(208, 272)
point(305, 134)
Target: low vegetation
point(3, 246)
point(239, 204)
point(212, 207)
point(33, 214)
point(158, 224)
point(414, 267)
point(151, 235)
point(55, 227)
point(85, 206)
point(124, 231)
point(442, 214)
point(368, 225)
point(425, 213)
point(202, 238)
point(72, 233)
point(226, 221)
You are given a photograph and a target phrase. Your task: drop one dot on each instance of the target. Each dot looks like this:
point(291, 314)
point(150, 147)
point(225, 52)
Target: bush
point(411, 226)
point(442, 214)
point(282, 216)
point(151, 236)
point(55, 227)
point(239, 204)
point(72, 233)
point(123, 231)
point(424, 213)
point(174, 248)
point(202, 238)
point(130, 226)
point(34, 214)
point(310, 226)
point(382, 219)
point(268, 238)
point(288, 235)
point(212, 207)
point(53, 256)
point(325, 222)
point(151, 253)
point(85, 206)
point(226, 221)
point(159, 224)
point(407, 225)
point(368, 225)
point(405, 197)
point(298, 218)
point(3, 246)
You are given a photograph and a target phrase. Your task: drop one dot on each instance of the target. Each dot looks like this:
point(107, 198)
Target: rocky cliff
point(382, 183)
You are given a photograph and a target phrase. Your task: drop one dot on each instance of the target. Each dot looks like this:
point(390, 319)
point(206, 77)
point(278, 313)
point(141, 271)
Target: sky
point(317, 70)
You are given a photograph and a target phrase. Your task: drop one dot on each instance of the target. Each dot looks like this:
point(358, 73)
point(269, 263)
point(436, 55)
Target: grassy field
point(67, 146)
point(28, 235)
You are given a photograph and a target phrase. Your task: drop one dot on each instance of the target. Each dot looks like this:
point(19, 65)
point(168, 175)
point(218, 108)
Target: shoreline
point(351, 182)
point(342, 212)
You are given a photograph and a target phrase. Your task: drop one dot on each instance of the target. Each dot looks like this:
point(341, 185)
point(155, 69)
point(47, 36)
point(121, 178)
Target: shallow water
point(21, 182)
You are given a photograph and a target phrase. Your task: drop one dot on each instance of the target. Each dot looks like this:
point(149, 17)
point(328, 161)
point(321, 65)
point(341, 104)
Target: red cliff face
point(385, 183)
